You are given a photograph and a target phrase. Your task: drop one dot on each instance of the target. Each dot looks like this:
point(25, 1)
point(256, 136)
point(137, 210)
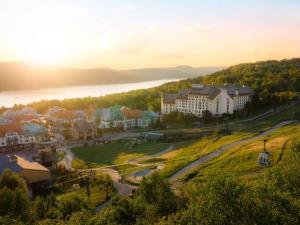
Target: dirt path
point(219, 151)
point(138, 175)
point(123, 189)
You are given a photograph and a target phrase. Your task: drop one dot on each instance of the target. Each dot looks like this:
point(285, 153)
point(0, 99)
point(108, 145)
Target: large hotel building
point(216, 99)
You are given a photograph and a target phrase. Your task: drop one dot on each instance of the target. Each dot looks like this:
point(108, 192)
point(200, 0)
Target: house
point(27, 111)
point(23, 115)
point(90, 115)
point(25, 118)
point(215, 99)
point(31, 171)
point(39, 131)
point(131, 117)
point(125, 118)
point(82, 130)
point(148, 117)
point(104, 115)
point(12, 135)
point(63, 116)
point(4, 120)
point(51, 111)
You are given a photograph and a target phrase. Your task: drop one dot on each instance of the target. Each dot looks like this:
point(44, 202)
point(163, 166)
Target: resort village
point(27, 130)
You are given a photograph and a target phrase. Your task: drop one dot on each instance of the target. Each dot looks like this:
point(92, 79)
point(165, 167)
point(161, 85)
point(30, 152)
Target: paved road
point(219, 151)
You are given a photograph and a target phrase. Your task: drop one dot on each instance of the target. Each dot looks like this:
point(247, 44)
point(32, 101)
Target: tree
point(207, 117)
point(155, 190)
point(69, 203)
point(14, 199)
point(12, 181)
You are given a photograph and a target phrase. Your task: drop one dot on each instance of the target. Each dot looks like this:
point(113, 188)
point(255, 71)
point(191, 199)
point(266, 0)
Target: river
point(9, 98)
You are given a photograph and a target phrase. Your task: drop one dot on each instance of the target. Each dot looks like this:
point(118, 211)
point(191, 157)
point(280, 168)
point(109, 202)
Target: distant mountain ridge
point(24, 75)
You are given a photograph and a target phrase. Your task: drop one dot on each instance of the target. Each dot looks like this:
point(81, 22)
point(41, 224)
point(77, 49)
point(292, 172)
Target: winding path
point(179, 174)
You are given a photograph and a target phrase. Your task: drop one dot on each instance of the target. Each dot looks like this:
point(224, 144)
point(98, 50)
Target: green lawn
point(118, 153)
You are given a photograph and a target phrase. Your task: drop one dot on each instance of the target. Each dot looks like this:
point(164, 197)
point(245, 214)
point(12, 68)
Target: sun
point(46, 48)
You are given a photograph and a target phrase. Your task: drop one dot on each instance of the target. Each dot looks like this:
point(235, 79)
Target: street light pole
point(217, 123)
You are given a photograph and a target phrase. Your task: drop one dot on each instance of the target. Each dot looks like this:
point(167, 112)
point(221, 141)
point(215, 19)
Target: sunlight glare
point(47, 47)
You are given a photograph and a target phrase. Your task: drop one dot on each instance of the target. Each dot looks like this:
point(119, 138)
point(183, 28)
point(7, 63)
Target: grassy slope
point(177, 159)
point(242, 160)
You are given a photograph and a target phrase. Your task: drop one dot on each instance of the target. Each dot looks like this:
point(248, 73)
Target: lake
point(9, 98)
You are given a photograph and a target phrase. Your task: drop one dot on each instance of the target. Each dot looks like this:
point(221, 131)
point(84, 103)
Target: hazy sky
point(149, 33)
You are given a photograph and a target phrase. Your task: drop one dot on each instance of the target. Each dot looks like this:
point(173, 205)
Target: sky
point(123, 34)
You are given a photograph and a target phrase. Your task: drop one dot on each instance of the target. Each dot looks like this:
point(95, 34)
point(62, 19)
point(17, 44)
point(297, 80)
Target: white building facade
point(14, 138)
point(215, 99)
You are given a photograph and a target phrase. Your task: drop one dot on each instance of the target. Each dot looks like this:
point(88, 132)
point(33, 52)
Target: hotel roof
point(206, 90)
point(169, 98)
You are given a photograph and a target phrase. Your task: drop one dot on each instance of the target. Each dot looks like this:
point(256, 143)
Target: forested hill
point(274, 82)
point(24, 75)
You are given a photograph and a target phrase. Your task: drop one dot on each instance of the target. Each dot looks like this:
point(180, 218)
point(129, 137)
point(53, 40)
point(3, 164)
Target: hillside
point(47, 76)
point(274, 82)
point(229, 189)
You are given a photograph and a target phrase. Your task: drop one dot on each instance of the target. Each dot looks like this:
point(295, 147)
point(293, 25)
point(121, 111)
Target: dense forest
point(274, 83)
point(273, 198)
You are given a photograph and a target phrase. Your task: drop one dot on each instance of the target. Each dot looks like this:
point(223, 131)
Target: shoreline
point(24, 97)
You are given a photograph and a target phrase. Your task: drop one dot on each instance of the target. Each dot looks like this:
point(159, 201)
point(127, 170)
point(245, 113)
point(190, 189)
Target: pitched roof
point(242, 90)
point(18, 164)
point(34, 129)
point(89, 112)
point(131, 113)
point(116, 114)
point(104, 114)
point(25, 117)
point(206, 90)
point(183, 94)
point(5, 163)
point(65, 114)
point(169, 98)
point(210, 91)
point(29, 165)
point(27, 110)
point(149, 115)
point(5, 128)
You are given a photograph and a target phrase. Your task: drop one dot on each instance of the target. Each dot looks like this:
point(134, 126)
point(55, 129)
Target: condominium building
point(215, 99)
